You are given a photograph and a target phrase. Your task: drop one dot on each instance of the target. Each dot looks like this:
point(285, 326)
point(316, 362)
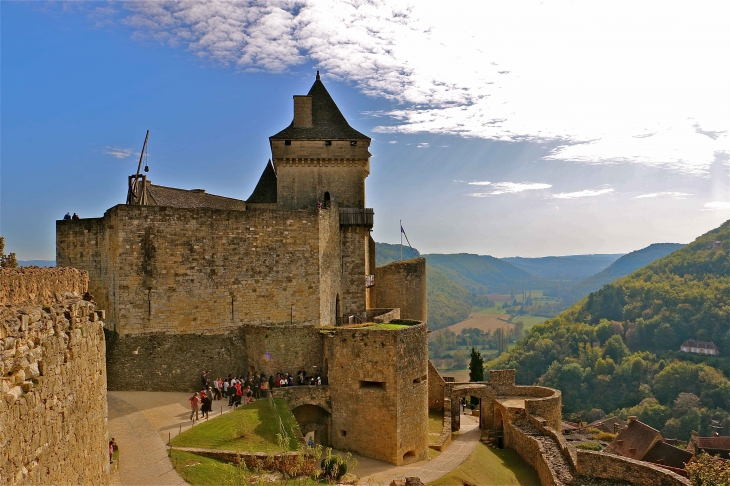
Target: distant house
point(699, 347)
point(715, 446)
point(643, 443)
point(612, 425)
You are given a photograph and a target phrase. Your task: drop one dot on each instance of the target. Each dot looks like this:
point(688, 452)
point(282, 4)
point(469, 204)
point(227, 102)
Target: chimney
point(302, 111)
point(631, 418)
point(632, 450)
point(620, 442)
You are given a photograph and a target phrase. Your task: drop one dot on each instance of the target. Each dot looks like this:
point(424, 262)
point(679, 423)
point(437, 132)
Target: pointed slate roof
point(265, 191)
point(328, 123)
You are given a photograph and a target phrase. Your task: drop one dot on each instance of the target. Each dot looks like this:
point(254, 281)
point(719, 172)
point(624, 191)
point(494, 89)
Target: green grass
point(389, 327)
point(250, 428)
point(487, 466)
point(529, 321)
point(590, 446)
point(490, 310)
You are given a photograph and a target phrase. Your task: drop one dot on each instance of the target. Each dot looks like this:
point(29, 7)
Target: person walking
point(207, 404)
point(194, 402)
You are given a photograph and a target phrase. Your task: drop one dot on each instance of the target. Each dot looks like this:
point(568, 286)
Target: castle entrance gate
point(481, 391)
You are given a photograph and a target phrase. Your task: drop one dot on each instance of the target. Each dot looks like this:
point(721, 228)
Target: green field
point(489, 466)
point(250, 428)
point(529, 321)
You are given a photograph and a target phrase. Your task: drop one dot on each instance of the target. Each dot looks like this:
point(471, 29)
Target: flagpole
point(400, 230)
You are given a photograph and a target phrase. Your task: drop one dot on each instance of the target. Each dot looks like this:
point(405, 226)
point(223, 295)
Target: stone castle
point(191, 281)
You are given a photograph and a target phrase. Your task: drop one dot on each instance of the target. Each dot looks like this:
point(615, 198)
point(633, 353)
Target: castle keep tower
point(320, 158)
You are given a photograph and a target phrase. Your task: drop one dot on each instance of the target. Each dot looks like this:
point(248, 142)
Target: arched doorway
point(313, 419)
point(327, 199)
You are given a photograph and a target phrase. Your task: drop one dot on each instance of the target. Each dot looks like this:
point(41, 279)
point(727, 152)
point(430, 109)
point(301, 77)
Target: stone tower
point(320, 157)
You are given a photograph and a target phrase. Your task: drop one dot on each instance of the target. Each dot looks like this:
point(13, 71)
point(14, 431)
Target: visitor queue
point(238, 390)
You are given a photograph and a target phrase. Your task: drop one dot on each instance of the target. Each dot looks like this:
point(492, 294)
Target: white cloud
point(507, 187)
point(585, 193)
point(393, 141)
point(423, 145)
point(674, 195)
point(118, 152)
point(715, 205)
point(651, 93)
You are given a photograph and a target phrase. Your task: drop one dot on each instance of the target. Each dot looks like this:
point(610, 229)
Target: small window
point(353, 143)
point(372, 385)
point(420, 379)
point(287, 142)
point(342, 433)
point(328, 142)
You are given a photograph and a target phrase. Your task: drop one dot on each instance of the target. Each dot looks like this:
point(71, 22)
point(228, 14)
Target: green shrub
point(590, 446)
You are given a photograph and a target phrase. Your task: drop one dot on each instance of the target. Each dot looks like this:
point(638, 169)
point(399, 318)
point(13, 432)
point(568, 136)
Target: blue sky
point(533, 129)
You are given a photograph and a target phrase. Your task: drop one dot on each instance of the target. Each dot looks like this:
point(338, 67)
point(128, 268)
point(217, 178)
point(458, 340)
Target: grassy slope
point(251, 428)
point(624, 266)
point(487, 466)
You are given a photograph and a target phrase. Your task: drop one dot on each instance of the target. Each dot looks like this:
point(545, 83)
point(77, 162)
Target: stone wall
point(174, 362)
point(175, 270)
point(378, 388)
point(531, 451)
point(547, 403)
point(402, 284)
point(53, 407)
point(435, 389)
point(330, 270)
point(601, 465)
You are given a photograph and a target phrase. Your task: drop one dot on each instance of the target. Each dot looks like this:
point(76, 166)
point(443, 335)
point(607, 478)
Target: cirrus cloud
point(508, 187)
point(584, 193)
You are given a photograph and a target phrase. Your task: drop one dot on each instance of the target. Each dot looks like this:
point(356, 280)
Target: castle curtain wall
point(330, 264)
point(403, 284)
point(198, 270)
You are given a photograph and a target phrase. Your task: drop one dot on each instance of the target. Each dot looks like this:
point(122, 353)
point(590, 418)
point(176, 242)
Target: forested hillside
point(618, 349)
point(481, 273)
point(571, 268)
point(622, 267)
point(386, 253)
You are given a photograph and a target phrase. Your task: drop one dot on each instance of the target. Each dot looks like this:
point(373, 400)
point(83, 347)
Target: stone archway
point(313, 418)
point(462, 390)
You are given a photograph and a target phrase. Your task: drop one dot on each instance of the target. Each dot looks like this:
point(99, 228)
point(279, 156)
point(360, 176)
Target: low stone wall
point(53, 407)
point(291, 463)
point(602, 465)
point(531, 451)
point(445, 437)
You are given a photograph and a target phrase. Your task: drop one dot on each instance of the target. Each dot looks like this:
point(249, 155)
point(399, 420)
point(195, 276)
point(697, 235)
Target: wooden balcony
point(356, 217)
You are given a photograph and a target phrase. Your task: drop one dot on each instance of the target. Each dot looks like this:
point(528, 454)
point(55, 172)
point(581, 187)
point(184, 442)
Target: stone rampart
point(242, 267)
point(545, 404)
point(609, 466)
point(531, 451)
point(402, 284)
point(53, 406)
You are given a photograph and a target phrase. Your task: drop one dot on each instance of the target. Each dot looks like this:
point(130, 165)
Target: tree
point(706, 470)
point(476, 366)
point(615, 348)
point(6, 261)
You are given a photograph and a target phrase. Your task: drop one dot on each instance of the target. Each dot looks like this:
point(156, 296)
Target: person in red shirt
point(239, 394)
point(194, 402)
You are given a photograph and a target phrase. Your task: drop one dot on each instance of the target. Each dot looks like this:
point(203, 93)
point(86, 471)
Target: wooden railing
point(356, 217)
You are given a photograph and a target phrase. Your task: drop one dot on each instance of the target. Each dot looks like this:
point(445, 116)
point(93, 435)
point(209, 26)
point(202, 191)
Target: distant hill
point(386, 253)
point(622, 267)
point(482, 274)
point(620, 344)
point(36, 263)
point(571, 268)
point(448, 302)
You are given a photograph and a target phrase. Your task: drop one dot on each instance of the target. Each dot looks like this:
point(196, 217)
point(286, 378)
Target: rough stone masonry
point(53, 408)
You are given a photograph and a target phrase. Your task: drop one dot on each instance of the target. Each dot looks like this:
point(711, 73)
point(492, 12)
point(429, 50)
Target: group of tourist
point(238, 388)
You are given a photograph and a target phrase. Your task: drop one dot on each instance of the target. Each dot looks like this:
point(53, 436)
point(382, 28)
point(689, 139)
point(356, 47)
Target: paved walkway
point(141, 423)
point(456, 453)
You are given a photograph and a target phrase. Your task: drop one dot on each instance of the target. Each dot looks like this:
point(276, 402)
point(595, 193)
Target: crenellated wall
point(53, 406)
